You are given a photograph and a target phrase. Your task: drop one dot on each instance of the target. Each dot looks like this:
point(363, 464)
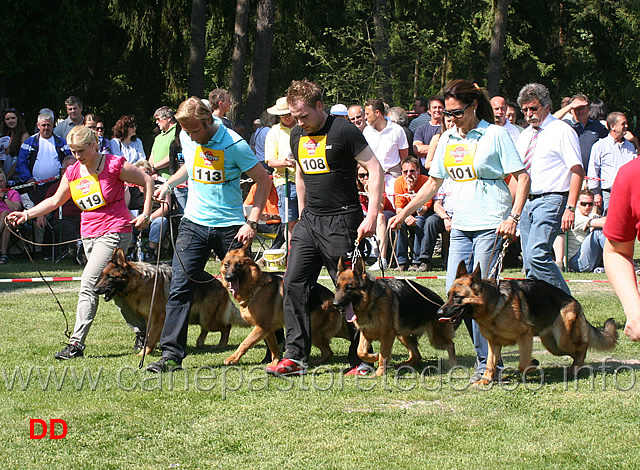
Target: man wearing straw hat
point(277, 154)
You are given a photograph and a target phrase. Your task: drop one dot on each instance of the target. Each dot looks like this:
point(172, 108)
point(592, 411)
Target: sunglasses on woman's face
point(363, 175)
point(456, 113)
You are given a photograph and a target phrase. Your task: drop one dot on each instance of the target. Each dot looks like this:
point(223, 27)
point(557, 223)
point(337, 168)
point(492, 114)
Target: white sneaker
point(376, 266)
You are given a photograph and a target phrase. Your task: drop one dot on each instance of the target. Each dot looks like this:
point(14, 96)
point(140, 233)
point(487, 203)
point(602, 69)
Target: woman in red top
point(621, 229)
point(9, 201)
point(96, 185)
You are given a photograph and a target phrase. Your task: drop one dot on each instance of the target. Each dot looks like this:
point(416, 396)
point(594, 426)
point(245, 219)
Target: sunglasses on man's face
point(585, 204)
point(456, 113)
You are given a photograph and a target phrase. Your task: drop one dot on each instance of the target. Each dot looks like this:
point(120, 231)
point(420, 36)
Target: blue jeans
point(154, 229)
point(293, 202)
point(539, 227)
point(193, 247)
point(589, 255)
point(425, 237)
point(473, 247)
point(181, 195)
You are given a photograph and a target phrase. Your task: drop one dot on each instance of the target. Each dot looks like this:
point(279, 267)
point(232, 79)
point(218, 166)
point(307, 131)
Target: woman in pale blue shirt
point(477, 156)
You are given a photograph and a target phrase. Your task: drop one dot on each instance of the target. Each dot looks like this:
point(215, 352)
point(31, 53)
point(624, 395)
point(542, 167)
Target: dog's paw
point(230, 361)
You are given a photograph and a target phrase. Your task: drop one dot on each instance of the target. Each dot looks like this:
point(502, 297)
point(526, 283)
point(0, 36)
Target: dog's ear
point(462, 269)
point(119, 257)
point(341, 266)
point(359, 268)
point(477, 273)
point(247, 247)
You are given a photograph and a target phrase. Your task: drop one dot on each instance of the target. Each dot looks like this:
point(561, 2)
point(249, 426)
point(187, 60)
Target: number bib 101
point(312, 154)
point(86, 193)
point(208, 166)
point(458, 160)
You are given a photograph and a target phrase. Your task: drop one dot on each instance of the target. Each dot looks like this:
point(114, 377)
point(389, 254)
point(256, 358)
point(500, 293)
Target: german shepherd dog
point(130, 285)
point(260, 297)
point(517, 310)
point(386, 308)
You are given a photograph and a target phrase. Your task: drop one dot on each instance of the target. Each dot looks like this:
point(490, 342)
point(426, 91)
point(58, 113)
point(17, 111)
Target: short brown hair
point(217, 95)
point(304, 90)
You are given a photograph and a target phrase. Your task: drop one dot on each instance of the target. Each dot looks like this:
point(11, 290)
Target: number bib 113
point(86, 193)
point(458, 160)
point(208, 166)
point(312, 154)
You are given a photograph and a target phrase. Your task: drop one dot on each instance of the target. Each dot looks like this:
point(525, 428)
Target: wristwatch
point(515, 217)
point(570, 207)
point(253, 224)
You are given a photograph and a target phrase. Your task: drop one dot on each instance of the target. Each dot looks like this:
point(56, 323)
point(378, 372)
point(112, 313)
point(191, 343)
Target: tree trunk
point(197, 48)
point(259, 79)
point(497, 47)
point(381, 48)
point(239, 58)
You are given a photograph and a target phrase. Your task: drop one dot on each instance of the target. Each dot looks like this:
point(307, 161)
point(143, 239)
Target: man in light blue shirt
point(607, 156)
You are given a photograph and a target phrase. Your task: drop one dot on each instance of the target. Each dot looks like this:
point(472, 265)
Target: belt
point(607, 190)
point(536, 196)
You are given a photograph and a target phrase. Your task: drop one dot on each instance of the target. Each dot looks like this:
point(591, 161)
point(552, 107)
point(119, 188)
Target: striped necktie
point(528, 156)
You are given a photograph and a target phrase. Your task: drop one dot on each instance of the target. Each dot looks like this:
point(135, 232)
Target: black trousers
point(316, 241)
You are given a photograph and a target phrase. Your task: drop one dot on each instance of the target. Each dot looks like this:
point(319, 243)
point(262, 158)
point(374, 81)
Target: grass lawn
point(209, 416)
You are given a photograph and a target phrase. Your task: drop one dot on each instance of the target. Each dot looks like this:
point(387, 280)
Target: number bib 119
point(208, 166)
point(312, 154)
point(458, 160)
point(86, 193)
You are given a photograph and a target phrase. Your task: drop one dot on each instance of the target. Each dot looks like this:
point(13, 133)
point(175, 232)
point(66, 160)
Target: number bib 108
point(86, 193)
point(312, 154)
point(208, 166)
point(458, 160)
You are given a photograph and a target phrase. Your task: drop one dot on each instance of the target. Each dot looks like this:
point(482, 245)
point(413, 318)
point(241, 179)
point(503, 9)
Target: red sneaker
point(361, 369)
point(287, 367)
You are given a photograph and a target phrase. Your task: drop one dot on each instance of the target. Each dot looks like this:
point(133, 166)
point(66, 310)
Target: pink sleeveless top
point(114, 215)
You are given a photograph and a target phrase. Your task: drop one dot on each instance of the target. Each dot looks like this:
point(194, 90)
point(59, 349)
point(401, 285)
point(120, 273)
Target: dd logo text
point(38, 428)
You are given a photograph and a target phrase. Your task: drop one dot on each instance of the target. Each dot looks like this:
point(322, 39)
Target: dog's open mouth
point(349, 314)
point(452, 316)
point(234, 286)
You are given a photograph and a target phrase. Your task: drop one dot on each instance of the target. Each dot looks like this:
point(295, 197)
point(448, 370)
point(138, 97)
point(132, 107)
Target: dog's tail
point(605, 339)
point(233, 315)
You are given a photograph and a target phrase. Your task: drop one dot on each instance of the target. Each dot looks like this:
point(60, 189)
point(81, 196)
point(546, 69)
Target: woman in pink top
point(9, 201)
point(96, 185)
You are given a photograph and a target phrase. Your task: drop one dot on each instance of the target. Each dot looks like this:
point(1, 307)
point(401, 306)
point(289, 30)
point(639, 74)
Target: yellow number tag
point(208, 166)
point(86, 193)
point(458, 160)
point(312, 154)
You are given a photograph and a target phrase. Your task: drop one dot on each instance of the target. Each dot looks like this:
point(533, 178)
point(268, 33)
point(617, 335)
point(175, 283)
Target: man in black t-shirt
point(327, 151)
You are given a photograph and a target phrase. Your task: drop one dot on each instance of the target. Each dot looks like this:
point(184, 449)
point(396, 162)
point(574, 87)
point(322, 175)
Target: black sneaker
point(139, 343)
point(164, 365)
point(72, 350)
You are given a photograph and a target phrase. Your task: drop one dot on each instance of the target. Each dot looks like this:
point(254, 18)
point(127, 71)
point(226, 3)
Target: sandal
point(4, 259)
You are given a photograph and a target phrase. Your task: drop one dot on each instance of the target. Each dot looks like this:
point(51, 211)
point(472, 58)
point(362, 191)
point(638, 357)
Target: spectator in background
point(356, 116)
point(92, 122)
point(220, 104)
point(159, 157)
point(387, 140)
point(608, 155)
point(598, 111)
point(339, 110)
point(14, 134)
point(513, 116)
point(9, 202)
point(589, 131)
point(260, 137)
point(499, 105)
point(420, 106)
point(401, 118)
point(586, 240)
point(125, 142)
point(277, 152)
point(41, 157)
point(74, 118)
point(426, 131)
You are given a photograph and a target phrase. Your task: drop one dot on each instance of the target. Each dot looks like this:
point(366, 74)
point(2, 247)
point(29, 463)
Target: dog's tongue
point(235, 287)
point(349, 314)
point(445, 319)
